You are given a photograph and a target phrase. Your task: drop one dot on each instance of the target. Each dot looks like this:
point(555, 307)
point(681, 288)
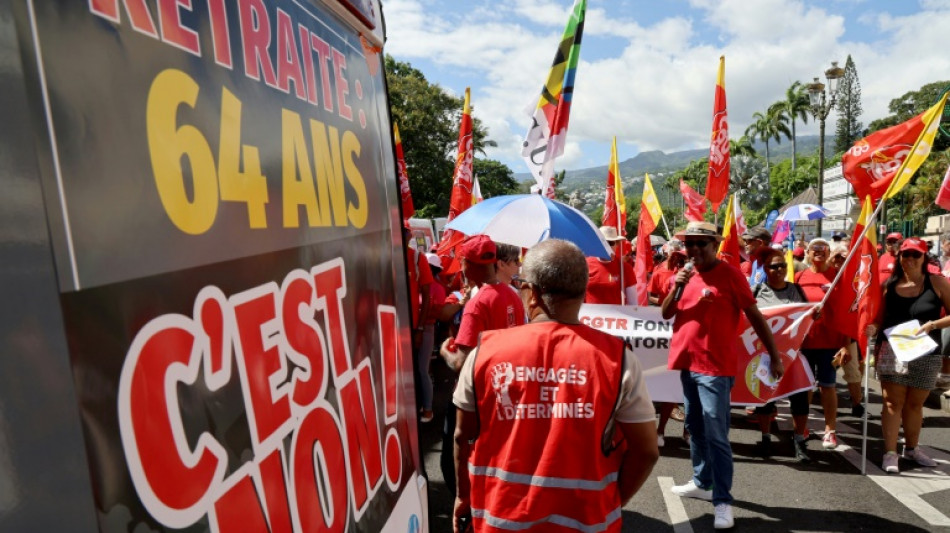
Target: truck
point(202, 270)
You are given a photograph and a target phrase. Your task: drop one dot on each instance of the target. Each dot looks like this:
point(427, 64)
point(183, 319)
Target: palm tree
point(741, 147)
point(768, 126)
point(795, 106)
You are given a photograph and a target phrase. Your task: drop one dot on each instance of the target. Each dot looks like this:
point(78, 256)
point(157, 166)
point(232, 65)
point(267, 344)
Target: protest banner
point(223, 217)
point(649, 335)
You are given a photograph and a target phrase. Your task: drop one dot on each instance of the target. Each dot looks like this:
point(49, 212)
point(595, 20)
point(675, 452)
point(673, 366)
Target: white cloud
point(652, 84)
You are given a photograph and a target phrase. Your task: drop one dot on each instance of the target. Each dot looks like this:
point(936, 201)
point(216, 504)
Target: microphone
point(688, 267)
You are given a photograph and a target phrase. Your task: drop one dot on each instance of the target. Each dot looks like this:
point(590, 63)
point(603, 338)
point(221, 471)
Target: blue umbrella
point(527, 219)
point(804, 212)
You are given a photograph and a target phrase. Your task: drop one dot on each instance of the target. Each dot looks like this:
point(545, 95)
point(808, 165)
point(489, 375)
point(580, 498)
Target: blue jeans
point(706, 399)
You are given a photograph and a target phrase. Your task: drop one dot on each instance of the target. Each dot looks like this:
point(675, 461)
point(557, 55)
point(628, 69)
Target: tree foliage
point(428, 119)
point(849, 129)
point(771, 125)
point(494, 178)
point(794, 107)
point(913, 103)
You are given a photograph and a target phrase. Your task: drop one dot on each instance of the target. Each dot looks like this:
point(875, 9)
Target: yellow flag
point(790, 267)
point(921, 149)
point(618, 186)
point(650, 201)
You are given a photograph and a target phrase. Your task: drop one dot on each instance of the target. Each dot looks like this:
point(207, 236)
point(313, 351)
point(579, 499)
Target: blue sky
point(648, 68)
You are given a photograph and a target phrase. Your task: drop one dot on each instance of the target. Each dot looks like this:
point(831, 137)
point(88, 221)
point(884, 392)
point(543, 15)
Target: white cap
point(434, 260)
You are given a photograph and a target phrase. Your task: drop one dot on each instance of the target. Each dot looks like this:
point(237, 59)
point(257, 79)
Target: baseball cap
point(798, 253)
point(819, 241)
point(838, 235)
point(896, 235)
point(757, 233)
point(913, 243)
point(479, 249)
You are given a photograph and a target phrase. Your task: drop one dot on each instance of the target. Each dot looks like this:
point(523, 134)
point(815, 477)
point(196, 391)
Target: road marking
point(674, 506)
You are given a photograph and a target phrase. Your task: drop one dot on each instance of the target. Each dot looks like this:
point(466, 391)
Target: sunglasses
point(818, 248)
point(912, 255)
point(697, 244)
point(777, 266)
point(520, 282)
point(892, 241)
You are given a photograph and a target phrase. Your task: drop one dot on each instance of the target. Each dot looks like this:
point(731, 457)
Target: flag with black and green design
point(547, 135)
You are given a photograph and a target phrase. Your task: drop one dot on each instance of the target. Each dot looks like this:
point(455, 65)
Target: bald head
point(558, 268)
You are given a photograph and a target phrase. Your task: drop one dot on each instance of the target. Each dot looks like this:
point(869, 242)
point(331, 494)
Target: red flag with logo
point(615, 205)
point(695, 202)
point(729, 247)
point(717, 184)
point(407, 208)
point(753, 386)
point(462, 188)
point(650, 216)
point(854, 302)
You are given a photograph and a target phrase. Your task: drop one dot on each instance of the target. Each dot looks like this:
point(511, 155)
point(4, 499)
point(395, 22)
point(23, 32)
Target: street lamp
point(820, 109)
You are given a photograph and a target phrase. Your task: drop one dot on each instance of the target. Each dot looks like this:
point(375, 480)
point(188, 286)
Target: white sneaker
point(916, 454)
point(889, 464)
point(724, 518)
point(690, 490)
point(660, 441)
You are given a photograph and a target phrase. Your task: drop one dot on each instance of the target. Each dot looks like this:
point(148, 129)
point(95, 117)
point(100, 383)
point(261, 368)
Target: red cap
point(479, 249)
point(798, 252)
point(896, 235)
point(913, 243)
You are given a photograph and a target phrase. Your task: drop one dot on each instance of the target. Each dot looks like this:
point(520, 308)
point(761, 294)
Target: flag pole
point(623, 295)
point(864, 422)
point(669, 236)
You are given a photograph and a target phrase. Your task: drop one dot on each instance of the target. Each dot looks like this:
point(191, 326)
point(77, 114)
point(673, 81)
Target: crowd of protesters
point(486, 292)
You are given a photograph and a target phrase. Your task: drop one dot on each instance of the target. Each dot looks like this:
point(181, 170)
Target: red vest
point(546, 394)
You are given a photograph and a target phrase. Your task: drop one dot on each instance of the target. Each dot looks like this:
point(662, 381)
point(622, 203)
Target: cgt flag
point(462, 188)
point(650, 215)
point(717, 184)
point(695, 202)
point(734, 227)
point(881, 164)
point(547, 135)
point(407, 208)
point(854, 302)
point(615, 205)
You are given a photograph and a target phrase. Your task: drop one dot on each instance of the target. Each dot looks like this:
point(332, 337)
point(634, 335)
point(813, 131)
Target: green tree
point(772, 125)
point(794, 107)
point(750, 180)
point(849, 129)
point(913, 103)
point(494, 178)
point(741, 147)
point(920, 194)
point(428, 119)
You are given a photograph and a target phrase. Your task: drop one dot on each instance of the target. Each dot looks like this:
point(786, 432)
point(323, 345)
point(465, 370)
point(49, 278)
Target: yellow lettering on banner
point(296, 162)
point(249, 186)
point(357, 212)
point(326, 159)
point(168, 143)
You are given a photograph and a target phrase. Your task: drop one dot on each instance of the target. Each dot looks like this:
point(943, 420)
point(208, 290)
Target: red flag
point(943, 197)
point(695, 202)
point(729, 248)
point(462, 186)
point(854, 302)
point(650, 216)
point(788, 332)
point(407, 208)
point(615, 206)
point(883, 162)
point(717, 184)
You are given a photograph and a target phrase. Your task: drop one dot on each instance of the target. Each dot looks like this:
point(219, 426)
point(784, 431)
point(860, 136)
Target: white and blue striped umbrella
point(527, 219)
point(804, 212)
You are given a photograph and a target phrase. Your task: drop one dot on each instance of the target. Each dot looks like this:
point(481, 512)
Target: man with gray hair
point(542, 403)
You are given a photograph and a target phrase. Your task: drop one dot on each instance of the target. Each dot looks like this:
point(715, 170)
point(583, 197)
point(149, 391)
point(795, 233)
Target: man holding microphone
point(706, 302)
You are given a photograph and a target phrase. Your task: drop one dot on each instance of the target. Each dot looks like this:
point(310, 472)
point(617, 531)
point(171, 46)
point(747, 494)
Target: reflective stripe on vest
point(542, 481)
point(556, 519)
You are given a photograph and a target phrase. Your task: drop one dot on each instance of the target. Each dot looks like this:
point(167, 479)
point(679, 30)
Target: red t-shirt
point(419, 275)
point(603, 287)
point(436, 301)
point(704, 330)
point(814, 285)
point(494, 306)
point(661, 282)
point(885, 266)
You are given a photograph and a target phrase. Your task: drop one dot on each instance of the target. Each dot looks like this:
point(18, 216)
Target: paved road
point(775, 494)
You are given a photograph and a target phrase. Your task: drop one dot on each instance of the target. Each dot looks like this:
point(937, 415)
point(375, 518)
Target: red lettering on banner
point(336, 458)
point(263, 368)
point(255, 34)
point(322, 48)
point(220, 34)
point(306, 60)
point(365, 463)
point(288, 60)
point(138, 13)
point(169, 19)
point(319, 463)
point(304, 337)
point(330, 291)
point(342, 86)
